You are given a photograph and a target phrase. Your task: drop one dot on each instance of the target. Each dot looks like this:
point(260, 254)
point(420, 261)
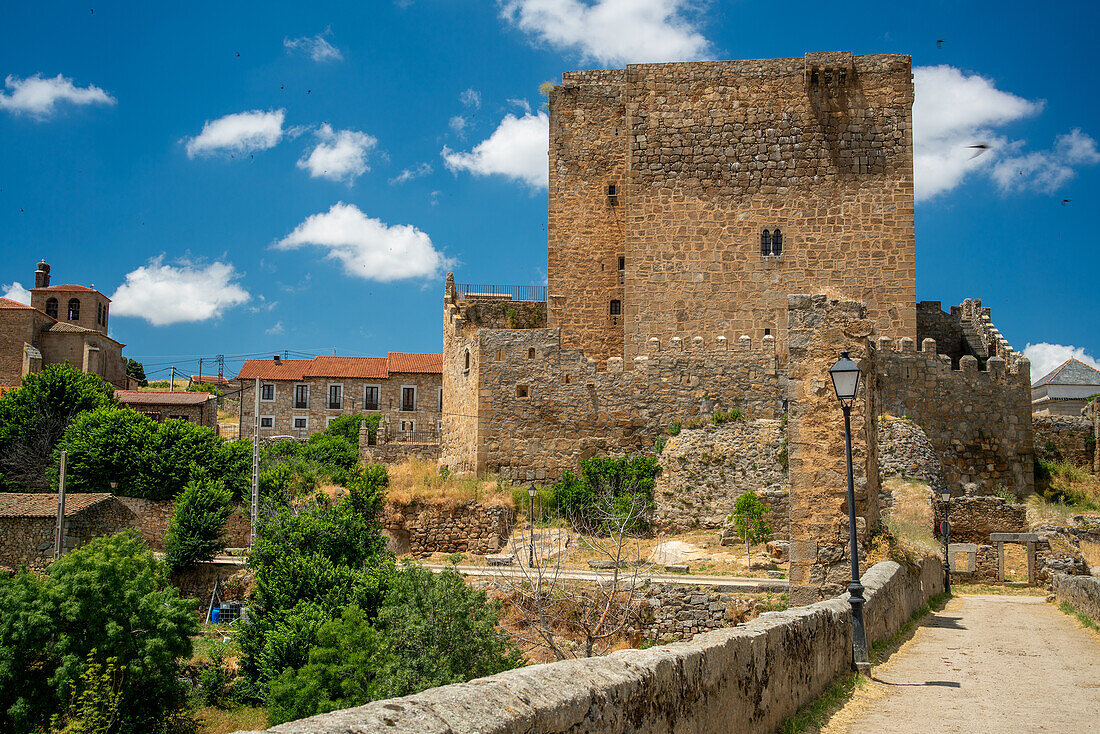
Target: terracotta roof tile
point(209, 379)
point(26, 504)
point(9, 303)
point(161, 397)
point(409, 362)
point(268, 369)
point(367, 368)
point(69, 287)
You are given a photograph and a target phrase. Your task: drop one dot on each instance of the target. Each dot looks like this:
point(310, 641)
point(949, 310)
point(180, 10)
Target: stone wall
point(451, 527)
point(973, 518)
point(1065, 438)
point(978, 421)
point(30, 540)
point(704, 471)
point(150, 518)
point(1080, 592)
point(945, 327)
point(539, 409)
point(905, 451)
point(681, 612)
point(395, 452)
point(819, 329)
point(751, 677)
point(707, 155)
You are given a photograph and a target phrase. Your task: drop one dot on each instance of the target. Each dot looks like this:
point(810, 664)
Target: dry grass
point(419, 481)
point(241, 718)
point(910, 520)
point(1091, 552)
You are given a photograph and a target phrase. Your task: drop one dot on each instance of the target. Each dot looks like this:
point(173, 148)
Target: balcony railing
point(468, 291)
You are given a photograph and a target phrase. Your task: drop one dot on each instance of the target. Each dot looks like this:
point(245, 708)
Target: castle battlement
point(996, 368)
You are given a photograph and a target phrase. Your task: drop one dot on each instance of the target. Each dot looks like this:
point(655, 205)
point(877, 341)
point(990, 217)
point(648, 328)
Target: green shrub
point(94, 701)
point(108, 600)
point(750, 521)
point(205, 387)
point(334, 452)
point(213, 686)
point(195, 531)
point(719, 417)
point(346, 426)
point(673, 428)
point(628, 481)
point(429, 631)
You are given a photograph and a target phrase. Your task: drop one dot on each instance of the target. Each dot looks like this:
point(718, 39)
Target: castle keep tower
point(691, 198)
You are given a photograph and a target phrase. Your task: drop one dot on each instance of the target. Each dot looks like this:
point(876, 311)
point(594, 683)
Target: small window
point(267, 421)
point(616, 307)
point(765, 243)
point(371, 397)
point(335, 397)
point(408, 426)
point(530, 353)
point(440, 406)
point(777, 242)
point(622, 263)
point(466, 367)
point(612, 194)
point(301, 423)
point(267, 392)
point(51, 308)
point(98, 312)
point(767, 332)
point(500, 355)
point(408, 398)
point(74, 309)
point(521, 391)
point(301, 397)
point(566, 379)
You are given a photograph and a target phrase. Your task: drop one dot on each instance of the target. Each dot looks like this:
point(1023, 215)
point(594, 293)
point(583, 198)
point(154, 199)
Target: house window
point(267, 421)
point(765, 243)
point(51, 308)
point(267, 392)
point(301, 422)
point(777, 242)
point(371, 397)
point(521, 391)
point(408, 426)
point(74, 309)
point(301, 396)
point(616, 307)
point(408, 397)
point(335, 397)
point(440, 406)
point(612, 194)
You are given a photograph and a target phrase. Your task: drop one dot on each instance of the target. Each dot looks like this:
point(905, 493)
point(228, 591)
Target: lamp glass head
point(945, 495)
point(845, 375)
point(531, 491)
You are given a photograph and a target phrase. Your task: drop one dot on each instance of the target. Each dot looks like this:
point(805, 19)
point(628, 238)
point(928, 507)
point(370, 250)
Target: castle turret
point(42, 275)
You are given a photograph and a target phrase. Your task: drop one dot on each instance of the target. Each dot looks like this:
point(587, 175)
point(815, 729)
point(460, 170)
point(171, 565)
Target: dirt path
point(984, 664)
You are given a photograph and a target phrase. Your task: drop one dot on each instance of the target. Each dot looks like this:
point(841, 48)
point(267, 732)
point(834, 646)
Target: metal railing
point(468, 291)
point(430, 435)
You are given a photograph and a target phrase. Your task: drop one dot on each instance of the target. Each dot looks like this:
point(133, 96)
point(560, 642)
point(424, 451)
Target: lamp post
point(531, 492)
point(845, 376)
point(945, 531)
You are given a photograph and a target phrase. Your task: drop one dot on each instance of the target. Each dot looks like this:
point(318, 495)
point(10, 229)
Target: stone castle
point(719, 231)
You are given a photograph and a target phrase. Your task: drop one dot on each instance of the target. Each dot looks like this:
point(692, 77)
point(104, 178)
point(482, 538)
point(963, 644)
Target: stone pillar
point(818, 330)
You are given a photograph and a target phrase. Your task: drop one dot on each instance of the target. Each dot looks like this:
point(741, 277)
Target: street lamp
point(531, 492)
point(945, 531)
point(845, 376)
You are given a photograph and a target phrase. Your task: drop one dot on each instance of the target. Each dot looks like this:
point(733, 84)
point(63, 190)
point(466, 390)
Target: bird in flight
point(939, 43)
point(1066, 201)
point(978, 149)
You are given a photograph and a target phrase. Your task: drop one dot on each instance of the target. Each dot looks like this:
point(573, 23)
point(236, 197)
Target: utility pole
point(200, 369)
point(172, 381)
point(255, 460)
point(59, 545)
point(221, 367)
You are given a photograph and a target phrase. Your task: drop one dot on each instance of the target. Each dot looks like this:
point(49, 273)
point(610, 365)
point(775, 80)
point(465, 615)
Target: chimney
point(276, 358)
point(42, 275)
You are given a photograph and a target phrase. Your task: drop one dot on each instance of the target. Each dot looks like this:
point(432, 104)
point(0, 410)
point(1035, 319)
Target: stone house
point(63, 323)
point(298, 397)
point(197, 407)
point(28, 524)
point(1066, 389)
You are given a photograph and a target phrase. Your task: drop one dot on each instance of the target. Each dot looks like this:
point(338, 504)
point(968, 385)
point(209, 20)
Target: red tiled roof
point(68, 288)
point(26, 504)
point(268, 369)
point(209, 379)
point(161, 397)
point(8, 303)
point(428, 364)
point(366, 368)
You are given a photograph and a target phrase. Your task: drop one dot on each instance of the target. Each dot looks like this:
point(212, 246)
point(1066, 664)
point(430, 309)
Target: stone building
point(1066, 389)
point(63, 323)
point(298, 397)
point(197, 407)
point(28, 524)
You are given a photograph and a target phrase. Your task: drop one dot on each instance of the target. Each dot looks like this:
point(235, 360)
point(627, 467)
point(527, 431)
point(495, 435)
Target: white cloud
point(518, 149)
point(241, 132)
point(952, 111)
point(612, 32)
point(409, 174)
point(521, 103)
point(16, 292)
point(37, 96)
point(457, 124)
point(339, 156)
point(1049, 169)
point(276, 329)
point(171, 294)
point(1045, 357)
point(318, 47)
point(471, 98)
point(368, 248)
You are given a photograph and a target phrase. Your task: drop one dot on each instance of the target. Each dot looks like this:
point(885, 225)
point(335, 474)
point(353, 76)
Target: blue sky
point(306, 172)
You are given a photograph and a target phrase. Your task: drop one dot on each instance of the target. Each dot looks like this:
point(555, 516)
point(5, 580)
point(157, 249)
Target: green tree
point(430, 631)
point(136, 370)
point(205, 387)
point(111, 597)
point(628, 480)
point(94, 703)
point(345, 426)
point(750, 521)
point(195, 532)
point(34, 417)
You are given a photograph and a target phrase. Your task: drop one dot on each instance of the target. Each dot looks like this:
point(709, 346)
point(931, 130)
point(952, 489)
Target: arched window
point(777, 242)
point(51, 308)
point(765, 243)
point(74, 309)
